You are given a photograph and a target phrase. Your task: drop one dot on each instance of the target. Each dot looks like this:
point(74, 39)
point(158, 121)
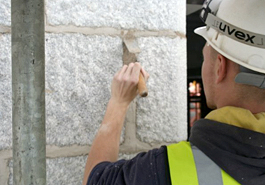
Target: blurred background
point(197, 107)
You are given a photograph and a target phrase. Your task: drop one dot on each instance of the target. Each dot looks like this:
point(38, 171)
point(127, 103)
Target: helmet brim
point(203, 31)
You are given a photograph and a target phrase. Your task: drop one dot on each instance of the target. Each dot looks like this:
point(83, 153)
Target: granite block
point(125, 14)
point(5, 12)
point(63, 170)
point(162, 116)
point(79, 71)
point(5, 92)
point(66, 170)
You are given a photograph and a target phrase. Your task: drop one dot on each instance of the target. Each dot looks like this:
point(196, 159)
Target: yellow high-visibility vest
point(189, 166)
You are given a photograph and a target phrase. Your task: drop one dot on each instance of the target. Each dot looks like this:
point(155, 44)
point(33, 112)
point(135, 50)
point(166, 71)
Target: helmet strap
point(249, 77)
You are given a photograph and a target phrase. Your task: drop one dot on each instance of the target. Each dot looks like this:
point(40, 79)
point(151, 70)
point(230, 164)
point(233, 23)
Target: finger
point(145, 74)
point(129, 69)
point(122, 70)
point(136, 70)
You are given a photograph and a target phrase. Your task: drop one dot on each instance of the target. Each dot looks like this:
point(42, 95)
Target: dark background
point(195, 45)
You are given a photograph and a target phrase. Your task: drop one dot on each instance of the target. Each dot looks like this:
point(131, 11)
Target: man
point(228, 146)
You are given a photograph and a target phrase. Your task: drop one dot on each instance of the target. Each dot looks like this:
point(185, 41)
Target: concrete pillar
point(28, 92)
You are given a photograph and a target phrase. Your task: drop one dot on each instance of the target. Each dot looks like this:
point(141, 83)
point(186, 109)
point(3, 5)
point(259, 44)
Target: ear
point(222, 64)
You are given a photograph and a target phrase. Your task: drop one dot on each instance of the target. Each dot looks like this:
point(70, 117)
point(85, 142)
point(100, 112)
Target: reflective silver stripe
point(238, 34)
point(207, 171)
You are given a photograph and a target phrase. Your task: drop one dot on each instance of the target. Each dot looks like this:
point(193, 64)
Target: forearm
point(106, 143)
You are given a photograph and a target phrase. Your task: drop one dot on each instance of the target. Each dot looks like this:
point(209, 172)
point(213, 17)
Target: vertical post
point(28, 92)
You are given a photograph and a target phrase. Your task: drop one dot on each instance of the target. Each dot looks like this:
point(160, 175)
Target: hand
point(124, 84)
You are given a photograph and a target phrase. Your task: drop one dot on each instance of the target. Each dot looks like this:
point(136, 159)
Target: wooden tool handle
point(142, 89)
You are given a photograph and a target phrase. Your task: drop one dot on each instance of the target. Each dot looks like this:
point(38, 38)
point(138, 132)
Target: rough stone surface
point(162, 117)
point(68, 170)
point(5, 12)
point(65, 170)
point(79, 71)
point(5, 92)
point(127, 14)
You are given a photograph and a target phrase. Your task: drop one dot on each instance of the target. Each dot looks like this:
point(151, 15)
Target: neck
point(254, 109)
point(251, 104)
point(233, 96)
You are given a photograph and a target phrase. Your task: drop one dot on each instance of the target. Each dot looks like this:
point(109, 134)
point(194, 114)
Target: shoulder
point(145, 168)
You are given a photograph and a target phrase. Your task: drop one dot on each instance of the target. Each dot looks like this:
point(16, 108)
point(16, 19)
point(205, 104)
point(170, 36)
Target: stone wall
point(83, 52)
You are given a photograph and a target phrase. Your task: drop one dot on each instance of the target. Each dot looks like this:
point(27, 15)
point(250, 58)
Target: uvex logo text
point(238, 34)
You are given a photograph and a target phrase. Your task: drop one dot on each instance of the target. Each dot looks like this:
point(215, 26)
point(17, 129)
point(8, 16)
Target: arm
point(105, 146)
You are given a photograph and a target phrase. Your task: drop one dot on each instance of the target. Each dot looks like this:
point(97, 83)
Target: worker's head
point(234, 54)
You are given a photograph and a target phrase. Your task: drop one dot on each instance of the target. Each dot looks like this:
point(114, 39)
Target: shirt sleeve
point(146, 168)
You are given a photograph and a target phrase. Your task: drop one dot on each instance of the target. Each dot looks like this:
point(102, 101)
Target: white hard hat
point(236, 29)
